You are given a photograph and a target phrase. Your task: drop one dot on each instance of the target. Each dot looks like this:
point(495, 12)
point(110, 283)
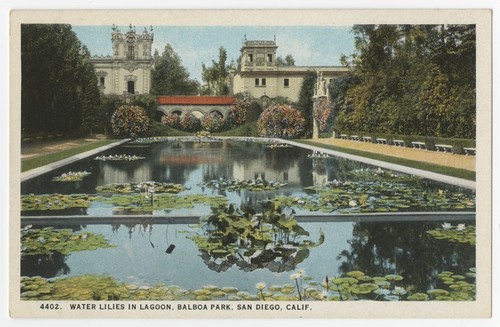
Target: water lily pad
point(355, 274)
point(141, 187)
point(234, 298)
point(119, 157)
point(438, 292)
point(36, 241)
point(365, 288)
point(56, 201)
point(393, 277)
point(229, 290)
point(252, 185)
point(71, 176)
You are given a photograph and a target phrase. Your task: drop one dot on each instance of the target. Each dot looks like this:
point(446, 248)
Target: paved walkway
point(35, 149)
point(438, 158)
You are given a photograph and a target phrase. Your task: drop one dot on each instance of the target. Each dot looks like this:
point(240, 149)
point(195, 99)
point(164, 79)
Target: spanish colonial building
point(264, 79)
point(128, 70)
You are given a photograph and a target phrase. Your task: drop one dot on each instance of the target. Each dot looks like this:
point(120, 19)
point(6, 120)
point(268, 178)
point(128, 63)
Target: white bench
point(381, 141)
point(343, 136)
point(470, 151)
point(398, 142)
point(419, 145)
point(443, 147)
point(354, 138)
point(367, 139)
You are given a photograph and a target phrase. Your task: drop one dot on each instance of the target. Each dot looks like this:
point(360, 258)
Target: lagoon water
point(377, 248)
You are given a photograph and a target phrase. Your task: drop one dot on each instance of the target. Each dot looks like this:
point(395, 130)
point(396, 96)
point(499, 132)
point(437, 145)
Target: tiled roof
point(199, 100)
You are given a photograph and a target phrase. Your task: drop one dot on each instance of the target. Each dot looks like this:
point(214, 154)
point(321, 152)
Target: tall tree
point(288, 61)
point(411, 79)
point(170, 77)
point(58, 84)
point(215, 76)
point(305, 103)
point(93, 118)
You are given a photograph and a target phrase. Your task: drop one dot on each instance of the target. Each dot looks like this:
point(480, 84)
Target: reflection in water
point(44, 265)
point(273, 240)
point(380, 249)
point(252, 253)
point(161, 255)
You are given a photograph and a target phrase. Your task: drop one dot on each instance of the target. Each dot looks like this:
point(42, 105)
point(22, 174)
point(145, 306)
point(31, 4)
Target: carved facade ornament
point(130, 78)
point(101, 73)
point(130, 66)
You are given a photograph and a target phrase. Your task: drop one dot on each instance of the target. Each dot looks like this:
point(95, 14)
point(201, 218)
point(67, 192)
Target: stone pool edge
point(404, 169)
point(54, 165)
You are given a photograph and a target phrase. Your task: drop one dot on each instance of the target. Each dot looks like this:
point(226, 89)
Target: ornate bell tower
point(258, 55)
point(128, 70)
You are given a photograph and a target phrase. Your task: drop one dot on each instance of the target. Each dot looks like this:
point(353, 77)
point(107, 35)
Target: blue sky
point(309, 45)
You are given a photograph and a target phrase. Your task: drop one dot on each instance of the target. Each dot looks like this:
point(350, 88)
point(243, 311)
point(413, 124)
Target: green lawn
point(449, 171)
point(248, 129)
point(31, 163)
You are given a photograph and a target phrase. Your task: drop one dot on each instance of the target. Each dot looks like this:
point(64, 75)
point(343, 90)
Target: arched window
point(130, 52)
point(131, 87)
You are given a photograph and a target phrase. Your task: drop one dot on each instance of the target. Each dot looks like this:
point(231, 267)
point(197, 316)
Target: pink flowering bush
point(172, 120)
point(323, 113)
point(129, 121)
point(281, 121)
point(212, 122)
point(190, 123)
point(238, 113)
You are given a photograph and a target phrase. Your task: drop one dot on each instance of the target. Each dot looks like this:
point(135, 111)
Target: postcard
point(250, 163)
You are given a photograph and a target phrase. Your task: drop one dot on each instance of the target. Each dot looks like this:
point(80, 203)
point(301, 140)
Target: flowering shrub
point(281, 121)
point(212, 122)
point(190, 123)
point(129, 121)
point(238, 113)
point(323, 113)
point(172, 120)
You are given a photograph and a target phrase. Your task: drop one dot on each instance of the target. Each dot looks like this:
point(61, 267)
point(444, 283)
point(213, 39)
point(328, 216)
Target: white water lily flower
point(353, 203)
point(383, 291)
point(460, 226)
point(446, 225)
point(399, 291)
point(260, 286)
point(295, 276)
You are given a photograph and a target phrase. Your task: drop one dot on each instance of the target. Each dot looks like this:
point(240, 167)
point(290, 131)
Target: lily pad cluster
point(64, 241)
point(458, 234)
point(203, 134)
point(361, 196)
point(71, 176)
point(250, 184)
point(119, 157)
point(272, 239)
point(278, 145)
point(148, 140)
point(134, 187)
point(381, 175)
point(55, 201)
point(353, 286)
point(460, 289)
point(162, 201)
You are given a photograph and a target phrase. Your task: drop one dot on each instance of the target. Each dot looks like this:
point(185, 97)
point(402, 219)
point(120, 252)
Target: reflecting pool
point(235, 213)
